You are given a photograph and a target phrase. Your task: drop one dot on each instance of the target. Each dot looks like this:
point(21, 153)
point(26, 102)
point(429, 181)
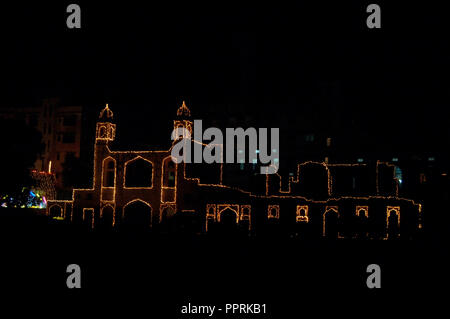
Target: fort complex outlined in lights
point(148, 189)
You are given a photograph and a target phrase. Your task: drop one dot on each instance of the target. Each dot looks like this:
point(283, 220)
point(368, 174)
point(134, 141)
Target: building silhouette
point(60, 126)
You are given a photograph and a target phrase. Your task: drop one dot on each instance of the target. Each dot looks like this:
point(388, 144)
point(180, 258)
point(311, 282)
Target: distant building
point(147, 189)
point(60, 127)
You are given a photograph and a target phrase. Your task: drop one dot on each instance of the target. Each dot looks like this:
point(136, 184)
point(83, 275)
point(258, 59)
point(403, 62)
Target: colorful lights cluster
point(27, 199)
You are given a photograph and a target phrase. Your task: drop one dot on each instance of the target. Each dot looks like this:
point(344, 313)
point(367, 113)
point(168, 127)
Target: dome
point(106, 114)
point(183, 111)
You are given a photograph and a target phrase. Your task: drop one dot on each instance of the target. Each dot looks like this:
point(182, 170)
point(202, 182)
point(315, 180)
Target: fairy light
point(108, 189)
point(127, 163)
point(44, 184)
point(420, 216)
point(302, 217)
point(53, 204)
point(165, 206)
point(245, 212)
point(270, 211)
point(362, 209)
point(233, 207)
point(210, 214)
point(183, 110)
point(113, 210)
point(166, 189)
point(389, 211)
point(328, 209)
point(91, 213)
point(109, 114)
point(135, 201)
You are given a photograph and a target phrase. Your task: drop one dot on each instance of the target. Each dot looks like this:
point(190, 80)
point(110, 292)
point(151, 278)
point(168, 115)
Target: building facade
point(147, 189)
point(60, 127)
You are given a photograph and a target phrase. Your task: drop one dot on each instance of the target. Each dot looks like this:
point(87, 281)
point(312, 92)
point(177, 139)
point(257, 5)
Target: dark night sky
point(309, 63)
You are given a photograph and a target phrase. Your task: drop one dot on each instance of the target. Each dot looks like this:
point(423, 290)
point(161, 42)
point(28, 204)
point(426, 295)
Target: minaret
point(105, 133)
point(106, 130)
point(183, 119)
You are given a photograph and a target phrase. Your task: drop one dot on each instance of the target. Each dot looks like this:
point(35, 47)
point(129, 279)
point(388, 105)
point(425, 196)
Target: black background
point(313, 60)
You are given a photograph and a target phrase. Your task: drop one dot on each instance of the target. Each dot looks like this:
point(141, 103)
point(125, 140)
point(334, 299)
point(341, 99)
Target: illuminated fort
point(147, 189)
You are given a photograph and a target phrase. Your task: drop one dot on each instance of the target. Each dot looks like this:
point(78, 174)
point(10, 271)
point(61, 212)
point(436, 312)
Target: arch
point(56, 211)
point(223, 207)
point(107, 217)
point(229, 214)
point(273, 211)
point(169, 173)
point(210, 214)
point(137, 214)
point(102, 132)
point(302, 213)
point(246, 210)
point(211, 211)
point(361, 222)
point(109, 172)
point(166, 212)
point(364, 210)
point(229, 220)
point(330, 222)
point(392, 221)
point(138, 173)
point(89, 217)
point(168, 180)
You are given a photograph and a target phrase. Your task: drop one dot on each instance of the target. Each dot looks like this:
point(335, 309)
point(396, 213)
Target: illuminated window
point(109, 173)
point(393, 221)
point(211, 210)
point(137, 215)
point(210, 214)
point(169, 173)
point(273, 211)
point(102, 131)
point(138, 173)
point(330, 222)
point(89, 217)
point(56, 211)
point(232, 209)
point(362, 211)
point(302, 213)
point(245, 212)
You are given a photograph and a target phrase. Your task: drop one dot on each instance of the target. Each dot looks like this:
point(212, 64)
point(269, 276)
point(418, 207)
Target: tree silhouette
point(21, 144)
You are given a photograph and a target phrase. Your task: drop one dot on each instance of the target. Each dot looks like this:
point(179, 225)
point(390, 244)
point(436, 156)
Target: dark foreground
point(154, 276)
